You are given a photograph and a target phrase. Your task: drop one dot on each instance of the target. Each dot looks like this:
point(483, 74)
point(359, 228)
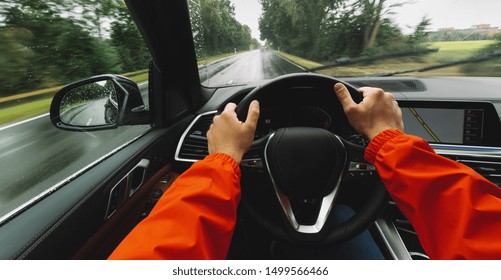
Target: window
point(43, 46)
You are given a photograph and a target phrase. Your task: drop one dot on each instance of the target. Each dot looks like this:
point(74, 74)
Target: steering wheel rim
point(362, 219)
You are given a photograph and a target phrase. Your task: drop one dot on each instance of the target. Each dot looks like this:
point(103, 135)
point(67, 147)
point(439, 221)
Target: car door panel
point(57, 226)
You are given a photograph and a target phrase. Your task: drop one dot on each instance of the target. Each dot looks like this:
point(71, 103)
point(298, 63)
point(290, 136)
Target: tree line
point(44, 43)
point(216, 30)
point(50, 42)
point(328, 29)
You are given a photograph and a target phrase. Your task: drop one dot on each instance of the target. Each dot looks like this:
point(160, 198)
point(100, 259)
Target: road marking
point(22, 122)
point(16, 149)
point(299, 66)
point(88, 122)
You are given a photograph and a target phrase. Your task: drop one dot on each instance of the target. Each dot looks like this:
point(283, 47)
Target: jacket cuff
point(378, 142)
point(225, 159)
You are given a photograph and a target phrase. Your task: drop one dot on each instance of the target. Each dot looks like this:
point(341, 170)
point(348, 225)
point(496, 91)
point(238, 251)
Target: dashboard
point(440, 122)
point(302, 107)
point(273, 118)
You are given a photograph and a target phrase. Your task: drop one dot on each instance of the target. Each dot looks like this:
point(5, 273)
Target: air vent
point(491, 170)
point(490, 167)
point(395, 85)
point(193, 143)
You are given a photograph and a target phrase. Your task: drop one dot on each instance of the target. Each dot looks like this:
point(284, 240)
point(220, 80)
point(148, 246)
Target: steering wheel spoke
point(318, 218)
point(254, 158)
point(357, 167)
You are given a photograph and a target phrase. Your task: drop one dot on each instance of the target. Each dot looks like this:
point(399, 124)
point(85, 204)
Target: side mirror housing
point(99, 103)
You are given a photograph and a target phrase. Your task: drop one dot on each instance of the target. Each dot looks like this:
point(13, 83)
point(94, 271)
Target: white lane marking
point(22, 122)
point(88, 122)
point(290, 61)
point(16, 149)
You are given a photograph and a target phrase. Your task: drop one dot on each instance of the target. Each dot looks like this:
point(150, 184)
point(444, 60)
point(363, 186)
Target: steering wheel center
point(305, 163)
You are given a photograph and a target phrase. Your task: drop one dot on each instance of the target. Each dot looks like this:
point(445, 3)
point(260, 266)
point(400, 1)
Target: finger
point(230, 107)
point(344, 95)
point(253, 114)
point(366, 91)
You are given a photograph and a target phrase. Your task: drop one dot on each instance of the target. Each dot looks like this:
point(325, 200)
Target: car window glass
point(242, 41)
point(45, 44)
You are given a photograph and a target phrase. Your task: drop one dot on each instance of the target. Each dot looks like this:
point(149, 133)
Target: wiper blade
point(363, 59)
point(474, 59)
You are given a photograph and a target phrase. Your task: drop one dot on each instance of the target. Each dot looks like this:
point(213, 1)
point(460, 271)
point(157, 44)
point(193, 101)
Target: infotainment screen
point(439, 125)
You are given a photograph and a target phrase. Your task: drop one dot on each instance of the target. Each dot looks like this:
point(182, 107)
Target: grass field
point(448, 52)
point(25, 111)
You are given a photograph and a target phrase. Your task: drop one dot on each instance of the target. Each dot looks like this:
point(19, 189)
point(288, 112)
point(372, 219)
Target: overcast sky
point(444, 13)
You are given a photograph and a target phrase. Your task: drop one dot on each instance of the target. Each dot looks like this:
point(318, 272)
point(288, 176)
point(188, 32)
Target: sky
point(444, 13)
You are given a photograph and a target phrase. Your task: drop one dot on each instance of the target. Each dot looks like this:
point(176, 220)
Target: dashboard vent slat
point(193, 145)
point(488, 167)
point(491, 170)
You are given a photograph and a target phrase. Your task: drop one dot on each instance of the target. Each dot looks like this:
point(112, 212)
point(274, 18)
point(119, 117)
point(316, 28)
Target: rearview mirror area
point(99, 103)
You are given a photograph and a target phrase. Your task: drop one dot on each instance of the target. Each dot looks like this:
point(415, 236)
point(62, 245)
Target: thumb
point(253, 114)
point(344, 96)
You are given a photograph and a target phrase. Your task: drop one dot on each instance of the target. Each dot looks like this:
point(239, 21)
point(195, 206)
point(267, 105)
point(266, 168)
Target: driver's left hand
point(230, 136)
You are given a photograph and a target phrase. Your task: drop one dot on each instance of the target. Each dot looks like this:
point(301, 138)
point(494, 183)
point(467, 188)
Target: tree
point(420, 33)
point(222, 33)
point(58, 48)
point(372, 12)
point(127, 41)
point(15, 58)
point(92, 14)
point(327, 29)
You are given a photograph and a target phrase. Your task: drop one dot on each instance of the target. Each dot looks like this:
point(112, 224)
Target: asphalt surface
point(246, 67)
point(34, 155)
point(87, 114)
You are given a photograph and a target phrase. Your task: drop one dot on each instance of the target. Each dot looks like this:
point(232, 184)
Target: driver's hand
point(229, 135)
point(377, 112)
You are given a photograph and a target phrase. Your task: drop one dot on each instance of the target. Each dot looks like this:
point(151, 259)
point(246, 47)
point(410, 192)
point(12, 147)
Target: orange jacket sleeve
point(195, 217)
point(455, 211)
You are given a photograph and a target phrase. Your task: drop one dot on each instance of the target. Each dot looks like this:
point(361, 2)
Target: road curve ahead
point(247, 67)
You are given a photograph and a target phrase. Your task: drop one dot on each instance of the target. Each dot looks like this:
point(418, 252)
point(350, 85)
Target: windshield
point(242, 41)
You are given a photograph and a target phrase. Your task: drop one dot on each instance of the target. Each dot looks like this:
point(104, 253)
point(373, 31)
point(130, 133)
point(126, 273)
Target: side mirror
point(98, 103)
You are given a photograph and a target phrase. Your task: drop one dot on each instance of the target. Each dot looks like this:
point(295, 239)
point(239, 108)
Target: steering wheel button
point(361, 166)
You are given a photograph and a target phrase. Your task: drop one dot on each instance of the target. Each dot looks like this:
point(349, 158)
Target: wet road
point(246, 67)
point(35, 156)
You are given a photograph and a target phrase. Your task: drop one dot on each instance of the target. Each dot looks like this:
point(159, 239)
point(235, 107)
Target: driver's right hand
point(377, 112)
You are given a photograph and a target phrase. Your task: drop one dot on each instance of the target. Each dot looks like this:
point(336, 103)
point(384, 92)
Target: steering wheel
point(306, 168)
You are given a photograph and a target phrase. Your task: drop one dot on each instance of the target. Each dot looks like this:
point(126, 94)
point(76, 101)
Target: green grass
point(24, 111)
point(213, 58)
point(448, 52)
point(305, 63)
